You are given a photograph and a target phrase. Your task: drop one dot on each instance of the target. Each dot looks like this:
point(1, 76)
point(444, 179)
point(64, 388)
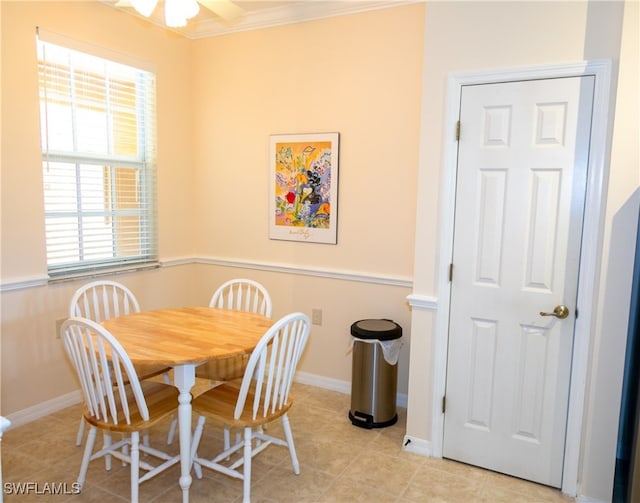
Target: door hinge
point(444, 403)
point(450, 273)
point(458, 131)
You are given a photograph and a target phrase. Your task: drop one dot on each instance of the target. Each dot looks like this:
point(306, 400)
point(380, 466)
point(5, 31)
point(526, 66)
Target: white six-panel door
point(521, 179)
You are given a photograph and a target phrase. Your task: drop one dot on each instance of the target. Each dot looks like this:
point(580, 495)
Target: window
point(98, 150)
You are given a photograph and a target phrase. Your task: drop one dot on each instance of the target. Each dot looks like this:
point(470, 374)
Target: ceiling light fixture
point(176, 12)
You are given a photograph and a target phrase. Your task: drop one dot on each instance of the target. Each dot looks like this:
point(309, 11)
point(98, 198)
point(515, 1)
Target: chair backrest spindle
point(107, 376)
point(243, 295)
point(271, 367)
point(102, 300)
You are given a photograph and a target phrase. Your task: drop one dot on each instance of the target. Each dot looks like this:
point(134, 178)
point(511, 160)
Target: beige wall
point(219, 100)
point(501, 35)
point(609, 337)
point(357, 75)
point(23, 251)
point(33, 367)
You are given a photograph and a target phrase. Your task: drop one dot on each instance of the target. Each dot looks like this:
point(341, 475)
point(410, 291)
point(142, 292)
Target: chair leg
point(80, 434)
point(174, 422)
point(86, 457)
point(107, 443)
point(125, 451)
point(246, 496)
point(172, 430)
point(135, 466)
point(227, 437)
point(292, 449)
point(195, 442)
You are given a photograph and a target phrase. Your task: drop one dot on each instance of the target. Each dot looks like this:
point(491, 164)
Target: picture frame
point(303, 190)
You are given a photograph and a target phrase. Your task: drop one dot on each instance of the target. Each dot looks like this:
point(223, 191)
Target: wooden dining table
point(183, 338)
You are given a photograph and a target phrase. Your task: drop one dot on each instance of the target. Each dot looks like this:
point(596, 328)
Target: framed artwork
point(304, 187)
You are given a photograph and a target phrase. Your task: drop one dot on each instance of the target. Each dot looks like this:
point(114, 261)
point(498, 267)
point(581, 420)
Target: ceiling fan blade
point(226, 9)
point(144, 7)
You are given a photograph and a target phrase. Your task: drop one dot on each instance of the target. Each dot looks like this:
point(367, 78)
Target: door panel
point(519, 201)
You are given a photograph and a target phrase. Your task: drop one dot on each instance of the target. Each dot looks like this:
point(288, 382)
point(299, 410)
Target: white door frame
point(590, 255)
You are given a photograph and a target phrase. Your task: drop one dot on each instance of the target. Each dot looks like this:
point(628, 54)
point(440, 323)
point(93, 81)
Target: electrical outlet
point(316, 316)
point(58, 325)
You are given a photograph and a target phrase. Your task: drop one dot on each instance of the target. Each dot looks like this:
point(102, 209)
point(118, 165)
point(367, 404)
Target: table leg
point(184, 379)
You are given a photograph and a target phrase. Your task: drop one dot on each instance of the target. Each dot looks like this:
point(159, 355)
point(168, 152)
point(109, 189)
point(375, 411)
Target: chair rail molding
point(295, 269)
point(425, 302)
point(22, 283)
point(305, 270)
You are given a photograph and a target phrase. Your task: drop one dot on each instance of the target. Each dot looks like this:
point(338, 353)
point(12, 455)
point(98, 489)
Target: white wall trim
point(300, 270)
point(590, 251)
point(37, 411)
point(304, 270)
point(291, 13)
point(22, 283)
point(329, 383)
point(417, 446)
point(343, 387)
point(418, 301)
point(177, 261)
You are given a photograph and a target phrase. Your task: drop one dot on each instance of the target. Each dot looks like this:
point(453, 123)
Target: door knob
point(560, 312)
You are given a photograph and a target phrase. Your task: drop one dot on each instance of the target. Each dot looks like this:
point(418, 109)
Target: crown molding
point(297, 11)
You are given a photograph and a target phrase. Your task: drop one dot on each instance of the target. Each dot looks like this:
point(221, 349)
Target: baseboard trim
point(343, 387)
point(34, 412)
point(37, 411)
point(417, 446)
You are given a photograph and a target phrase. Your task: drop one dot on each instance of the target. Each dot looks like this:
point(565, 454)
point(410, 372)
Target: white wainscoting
point(45, 408)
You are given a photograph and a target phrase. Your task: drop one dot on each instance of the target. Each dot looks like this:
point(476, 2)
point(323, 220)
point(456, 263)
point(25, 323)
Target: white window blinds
point(98, 150)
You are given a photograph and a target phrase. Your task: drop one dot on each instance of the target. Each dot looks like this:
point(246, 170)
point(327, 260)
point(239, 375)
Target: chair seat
point(219, 404)
point(262, 396)
point(101, 300)
point(161, 401)
point(223, 369)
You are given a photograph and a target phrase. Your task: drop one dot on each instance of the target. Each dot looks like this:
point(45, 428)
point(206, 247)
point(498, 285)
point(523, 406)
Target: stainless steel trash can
point(373, 378)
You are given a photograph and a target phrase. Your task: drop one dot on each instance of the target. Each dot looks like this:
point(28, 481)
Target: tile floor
point(339, 463)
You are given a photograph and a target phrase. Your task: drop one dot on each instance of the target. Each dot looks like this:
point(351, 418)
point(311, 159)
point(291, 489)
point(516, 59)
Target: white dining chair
point(117, 401)
point(261, 397)
point(243, 295)
point(102, 300)
point(4, 426)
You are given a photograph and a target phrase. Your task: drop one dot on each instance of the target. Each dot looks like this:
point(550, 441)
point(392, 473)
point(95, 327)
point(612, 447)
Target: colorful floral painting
point(304, 184)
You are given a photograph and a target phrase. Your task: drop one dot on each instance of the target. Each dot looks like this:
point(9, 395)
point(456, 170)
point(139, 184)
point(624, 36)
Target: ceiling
point(266, 13)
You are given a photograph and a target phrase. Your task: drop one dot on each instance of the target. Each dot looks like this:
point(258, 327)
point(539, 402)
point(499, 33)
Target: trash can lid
point(383, 330)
